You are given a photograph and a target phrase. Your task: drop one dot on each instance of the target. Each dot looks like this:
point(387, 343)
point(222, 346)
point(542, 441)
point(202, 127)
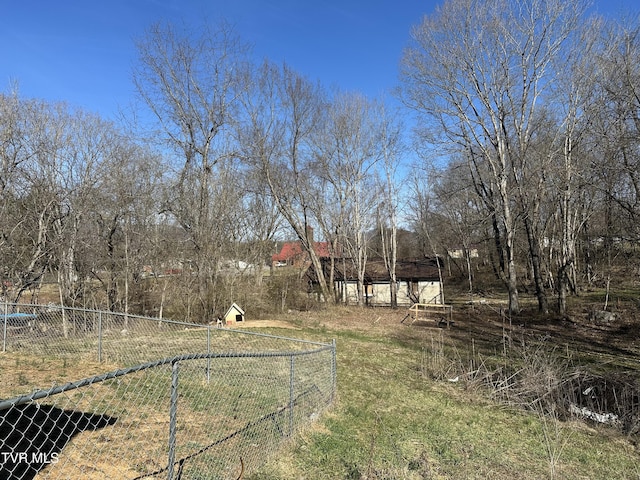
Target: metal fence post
point(208, 352)
point(4, 329)
point(334, 373)
point(292, 363)
point(99, 337)
point(173, 413)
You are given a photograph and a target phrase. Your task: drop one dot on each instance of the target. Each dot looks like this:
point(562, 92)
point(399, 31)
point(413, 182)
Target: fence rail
point(154, 399)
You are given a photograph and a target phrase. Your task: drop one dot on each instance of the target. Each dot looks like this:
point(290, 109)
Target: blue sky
point(82, 52)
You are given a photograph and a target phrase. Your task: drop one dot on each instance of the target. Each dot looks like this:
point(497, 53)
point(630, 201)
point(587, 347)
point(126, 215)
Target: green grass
point(391, 421)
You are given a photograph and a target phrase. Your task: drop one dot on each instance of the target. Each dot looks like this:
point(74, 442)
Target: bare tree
point(123, 213)
point(54, 176)
point(259, 222)
point(73, 174)
point(282, 113)
point(191, 85)
point(616, 121)
point(13, 134)
point(477, 71)
point(23, 239)
point(574, 91)
point(357, 136)
point(60, 154)
point(389, 207)
point(463, 218)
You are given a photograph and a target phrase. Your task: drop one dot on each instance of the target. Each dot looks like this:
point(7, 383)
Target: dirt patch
point(264, 324)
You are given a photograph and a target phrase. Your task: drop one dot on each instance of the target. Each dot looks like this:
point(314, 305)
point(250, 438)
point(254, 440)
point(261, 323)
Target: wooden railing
point(441, 314)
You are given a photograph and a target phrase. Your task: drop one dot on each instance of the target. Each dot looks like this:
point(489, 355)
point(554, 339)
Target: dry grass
point(399, 416)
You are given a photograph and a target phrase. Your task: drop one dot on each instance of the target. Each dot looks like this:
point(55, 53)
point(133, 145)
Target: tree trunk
point(534, 252)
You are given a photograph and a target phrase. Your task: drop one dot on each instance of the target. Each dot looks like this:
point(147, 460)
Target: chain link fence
point(154, 399)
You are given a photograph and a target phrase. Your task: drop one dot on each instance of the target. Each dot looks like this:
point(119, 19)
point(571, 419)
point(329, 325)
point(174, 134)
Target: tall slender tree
point(477, 72)
point(283, 111)
point(354, 141)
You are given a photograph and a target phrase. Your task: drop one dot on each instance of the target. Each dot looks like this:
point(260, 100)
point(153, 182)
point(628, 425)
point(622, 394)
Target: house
point(417, 281)
point(459, 252)
point(293, 255)
point(234, 315)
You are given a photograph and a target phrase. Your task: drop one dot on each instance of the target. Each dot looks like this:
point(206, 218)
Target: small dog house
point(234, 314)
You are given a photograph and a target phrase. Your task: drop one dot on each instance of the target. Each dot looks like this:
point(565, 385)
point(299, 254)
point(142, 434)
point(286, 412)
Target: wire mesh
point(154, 399)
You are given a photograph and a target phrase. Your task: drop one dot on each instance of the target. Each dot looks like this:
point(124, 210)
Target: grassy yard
point(406, 407)
point(394, 421)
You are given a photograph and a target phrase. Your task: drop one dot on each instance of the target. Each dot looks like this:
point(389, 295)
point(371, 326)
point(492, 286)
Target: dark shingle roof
point(376, 271)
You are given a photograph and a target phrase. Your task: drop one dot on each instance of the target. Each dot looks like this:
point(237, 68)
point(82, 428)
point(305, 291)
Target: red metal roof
point(291, 250)
point(322, 249)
